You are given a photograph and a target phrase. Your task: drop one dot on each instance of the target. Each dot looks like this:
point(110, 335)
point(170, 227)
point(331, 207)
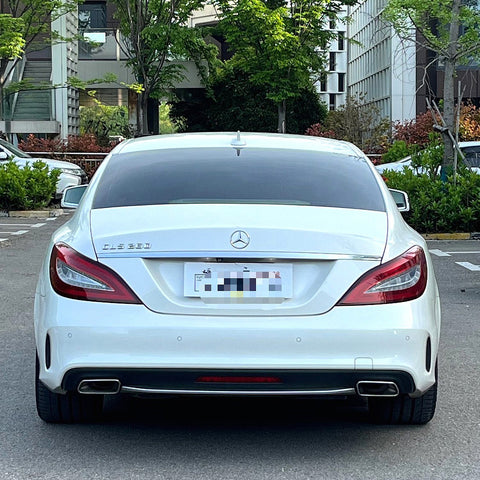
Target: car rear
point(238, 271)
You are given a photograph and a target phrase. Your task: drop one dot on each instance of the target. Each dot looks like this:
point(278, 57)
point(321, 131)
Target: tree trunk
point(449, 91)
point(282, 113)
point(448, 116)
point(143, 114)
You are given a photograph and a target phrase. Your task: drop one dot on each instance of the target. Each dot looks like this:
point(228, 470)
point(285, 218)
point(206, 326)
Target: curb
point(451, 236)
point(57, 212)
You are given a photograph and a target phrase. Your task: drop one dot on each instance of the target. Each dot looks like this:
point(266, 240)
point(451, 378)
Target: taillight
point(401, 279)
point(76, 276)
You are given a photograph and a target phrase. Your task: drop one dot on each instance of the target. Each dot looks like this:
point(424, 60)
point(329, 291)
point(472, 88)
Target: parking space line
point(19, 232)
point(469, 266)
point(468, 253)
point(439, 253)
point(15, 224)
point(37, 225)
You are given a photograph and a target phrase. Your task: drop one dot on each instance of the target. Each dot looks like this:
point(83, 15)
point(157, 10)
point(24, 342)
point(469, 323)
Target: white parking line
point(468, 253)
point(18, 232)
point(37, 225)
point(439, 253)
point(469, 266)
point(15, 224)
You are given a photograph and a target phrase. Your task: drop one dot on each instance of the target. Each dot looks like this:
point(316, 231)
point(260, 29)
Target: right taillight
point(401, 279)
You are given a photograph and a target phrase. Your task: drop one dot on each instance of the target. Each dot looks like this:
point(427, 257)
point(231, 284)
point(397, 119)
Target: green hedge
point(436, 206)
point(26, 188)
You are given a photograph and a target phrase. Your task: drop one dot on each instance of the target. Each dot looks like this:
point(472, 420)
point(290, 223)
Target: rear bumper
point(143, 349)
point(231, 382)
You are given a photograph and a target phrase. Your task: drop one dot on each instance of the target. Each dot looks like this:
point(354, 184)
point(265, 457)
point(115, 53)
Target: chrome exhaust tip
point(377, 388)
point(100, 386)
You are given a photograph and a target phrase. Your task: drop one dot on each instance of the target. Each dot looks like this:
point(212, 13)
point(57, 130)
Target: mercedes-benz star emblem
point(239, 239)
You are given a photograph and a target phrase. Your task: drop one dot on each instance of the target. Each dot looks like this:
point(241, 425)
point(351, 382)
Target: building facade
point(381, 67)
point(395, 75)
point(332, 85)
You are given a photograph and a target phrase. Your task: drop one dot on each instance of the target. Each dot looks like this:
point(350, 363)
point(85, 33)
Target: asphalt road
point(230, 439)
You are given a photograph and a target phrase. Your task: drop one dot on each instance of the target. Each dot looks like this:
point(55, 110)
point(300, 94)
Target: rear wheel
point(403, 409)
point(68, 408)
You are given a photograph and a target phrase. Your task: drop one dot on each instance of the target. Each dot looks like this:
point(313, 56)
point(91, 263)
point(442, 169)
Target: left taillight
point(399, 280)
point(75, 276)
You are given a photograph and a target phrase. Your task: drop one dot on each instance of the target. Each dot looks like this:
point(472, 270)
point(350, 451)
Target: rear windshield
point(283, 177)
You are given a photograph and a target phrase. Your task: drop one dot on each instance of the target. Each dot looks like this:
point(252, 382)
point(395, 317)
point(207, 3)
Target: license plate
point(238, 281)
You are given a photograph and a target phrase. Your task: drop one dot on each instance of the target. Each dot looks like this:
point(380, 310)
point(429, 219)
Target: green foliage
point(104, 121)
point(397, 151)
point(158, 39)
point(26, 188)
point(27, 27)
point(166, 123)
point(12, 41)
point(238, 104)
point(429, 160)
point(448, 28)
point(438, 206)
point(277, 43)
point(433, 20)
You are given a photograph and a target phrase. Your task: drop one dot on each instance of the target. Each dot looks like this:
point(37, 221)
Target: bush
point(399, 149)
point(438, 206)
point(103, 121)
point(355, 122)
point(26, 188)
point(415, 132)
point(469, 123)
point(75, 143)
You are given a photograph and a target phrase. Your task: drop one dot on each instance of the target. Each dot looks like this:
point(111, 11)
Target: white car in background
point(70, 174)
point(471, 150)
point(237, 264)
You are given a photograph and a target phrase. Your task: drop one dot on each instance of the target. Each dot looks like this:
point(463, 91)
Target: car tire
point(65, 408)
point(403, 410)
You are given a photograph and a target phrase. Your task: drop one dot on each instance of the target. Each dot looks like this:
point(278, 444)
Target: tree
point(25, 25)
point(438, 25)
point(157, 38)
point(278, 43)
point(235, 103)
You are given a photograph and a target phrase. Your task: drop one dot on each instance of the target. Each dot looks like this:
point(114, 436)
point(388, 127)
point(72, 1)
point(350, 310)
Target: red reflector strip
point(216, 379)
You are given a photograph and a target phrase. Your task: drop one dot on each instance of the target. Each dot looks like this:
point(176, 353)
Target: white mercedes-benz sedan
point(237, 264)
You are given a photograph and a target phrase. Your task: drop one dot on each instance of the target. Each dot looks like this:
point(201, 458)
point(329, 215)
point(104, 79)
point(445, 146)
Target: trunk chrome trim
point(332, 391)
point(264, 256)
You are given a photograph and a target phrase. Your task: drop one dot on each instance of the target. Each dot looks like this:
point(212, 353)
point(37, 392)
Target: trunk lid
point(317, 253)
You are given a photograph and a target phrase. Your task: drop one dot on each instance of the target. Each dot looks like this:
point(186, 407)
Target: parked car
point(70, 174)
point(471, 150)
point(247, 264)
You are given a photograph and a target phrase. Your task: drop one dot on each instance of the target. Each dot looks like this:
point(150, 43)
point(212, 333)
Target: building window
point(333, 24)
point(341, 82)
point(341, 40)
point(323, 82)
point(331, 101)
point(92, 15)
point(332, 61)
